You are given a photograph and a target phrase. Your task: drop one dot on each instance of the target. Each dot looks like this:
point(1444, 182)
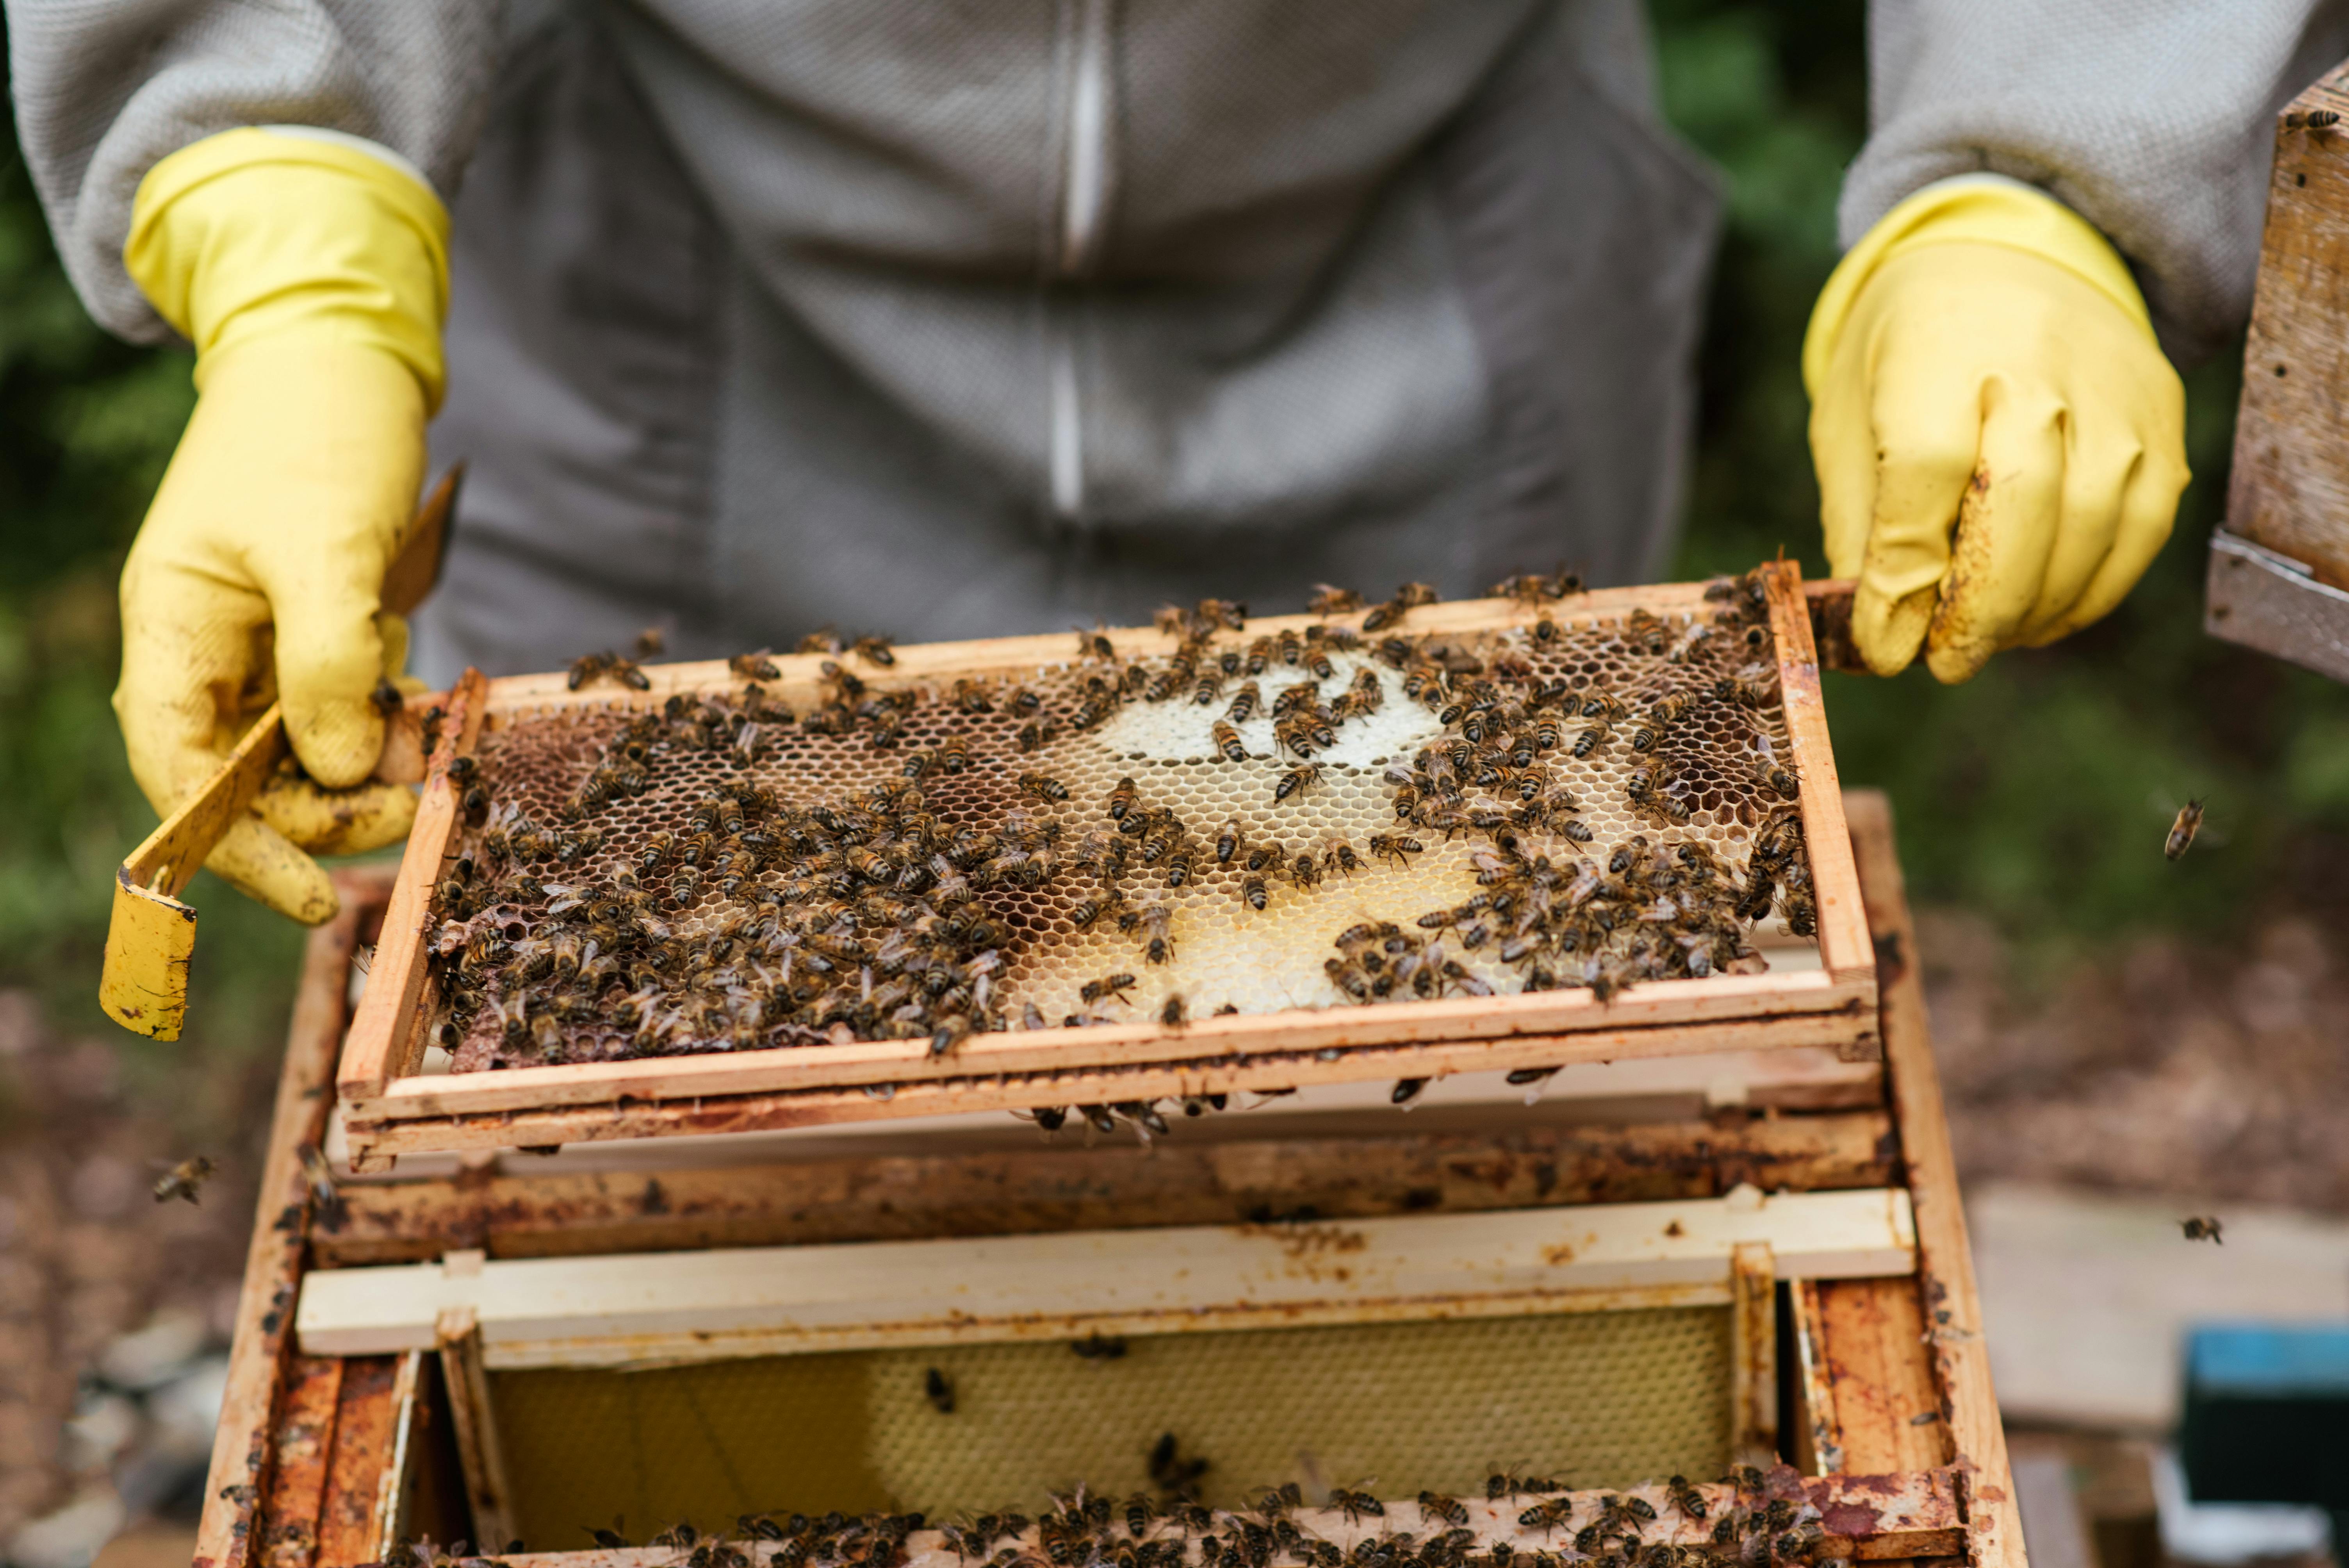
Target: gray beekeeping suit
point(964, 319)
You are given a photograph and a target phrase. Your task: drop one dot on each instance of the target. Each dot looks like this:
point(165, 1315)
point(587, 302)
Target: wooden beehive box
point(1261, 1013)
point(440, 1355)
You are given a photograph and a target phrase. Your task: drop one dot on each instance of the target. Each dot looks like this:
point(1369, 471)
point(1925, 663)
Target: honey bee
point(1155, 918)
point(1686, 1497)
point(2181, 831)
point(1300, 778)
point(1450, 1510)
point(1228, 742)
point(1035, 735)
point(1179, 866)
point(954, 754)
point(1328, 600)
point(2312, 119)
point(1772, 774)
point(1545, 631)
point(1644, 738)
point(1096, 644)
point(1395, 848)
point(1591, 738)
point(1244, 706)
point(2199, 1227)
point(1122, 799)
point(1355, 1504)
point(1601, 704)
point(1666, 711)
point(1252, 888)
point(1112, 987)
point(1339, 856)
point(1801, 912)
point(1291, 646)
point(1091, 910)
point(1039, 787)
point(1175, 1014)
point(185, 1180)
point(588, 667)
point(951, 1031)
point(1228, 839)
point(1023, 702)
point(1305, 870)
point(755, 666)
point(1367, 692)
point(874, 650)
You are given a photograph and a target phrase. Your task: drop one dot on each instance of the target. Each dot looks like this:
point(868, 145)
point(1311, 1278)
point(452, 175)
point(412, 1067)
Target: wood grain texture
point(228, 1529)
point(1844, 946)
point(302, 1444)
point(366, 1416)
point(2289, 486)
point(386, 1033)
point(1880, 1376)
point(1811, 1424)
point(1174, 1183)
point(1949, 1296)
point(1261, 1073)
point(1064, 1284)
point(1753, 1354)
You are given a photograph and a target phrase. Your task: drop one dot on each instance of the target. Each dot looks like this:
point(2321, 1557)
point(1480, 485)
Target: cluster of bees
point(1649, 910)
point(754, 919)
point(1081, 1530)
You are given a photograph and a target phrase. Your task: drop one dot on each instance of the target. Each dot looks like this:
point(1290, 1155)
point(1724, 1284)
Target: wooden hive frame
point(1888, 1417)
point(393, 1107)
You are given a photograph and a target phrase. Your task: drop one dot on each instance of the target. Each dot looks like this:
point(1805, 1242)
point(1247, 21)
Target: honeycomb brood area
point(717, 873)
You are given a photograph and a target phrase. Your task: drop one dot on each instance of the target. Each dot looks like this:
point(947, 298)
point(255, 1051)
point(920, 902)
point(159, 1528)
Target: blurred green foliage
point(2038, 794)
point(85, 426)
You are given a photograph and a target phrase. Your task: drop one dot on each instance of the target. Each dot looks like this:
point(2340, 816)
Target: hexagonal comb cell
point(1253, 822)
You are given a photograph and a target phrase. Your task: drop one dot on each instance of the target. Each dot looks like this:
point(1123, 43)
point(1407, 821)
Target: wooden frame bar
point(1753, 1351)
point(1179, 1180)
point(1934, 1489)
point(1066, 1285)
point(392, 1110)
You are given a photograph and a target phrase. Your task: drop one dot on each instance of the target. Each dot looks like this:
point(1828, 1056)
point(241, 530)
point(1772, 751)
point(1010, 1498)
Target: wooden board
point(241, 1445)
point(1948, 1296)
point(1176, 1183)
point(2288, 486)
point(611, 1310)
point(392, 1110)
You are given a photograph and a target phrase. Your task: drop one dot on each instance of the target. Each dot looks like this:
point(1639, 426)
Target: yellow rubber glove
point(1999, 439)
point(313, 279)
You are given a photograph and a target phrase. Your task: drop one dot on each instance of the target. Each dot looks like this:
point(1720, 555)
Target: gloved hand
point(312, 278)
point(2000, 442)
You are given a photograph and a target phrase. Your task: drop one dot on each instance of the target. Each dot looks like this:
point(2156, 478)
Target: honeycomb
point(573, 930)
point(1603, 1399)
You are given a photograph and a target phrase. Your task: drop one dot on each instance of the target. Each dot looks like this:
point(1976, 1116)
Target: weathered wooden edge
point(1880, 1374)
point(1872, 1518)
point(382, 1039)
point(1173, 1182)
point(1816, 1431)
point(1946, 1280)
point(1844, 946)
point(1339, 1044)
point(800, 676)
point(1753, 1354)
point(302, 1444)
point(361, 1441)
point(1269, 1073)
point(2288, 481)
point(238, 1475)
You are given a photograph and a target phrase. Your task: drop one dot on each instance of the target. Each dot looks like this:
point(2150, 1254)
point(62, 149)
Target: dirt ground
point(2222, 1075)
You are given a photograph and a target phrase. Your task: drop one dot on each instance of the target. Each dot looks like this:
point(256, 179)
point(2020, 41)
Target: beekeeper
point(962, 319)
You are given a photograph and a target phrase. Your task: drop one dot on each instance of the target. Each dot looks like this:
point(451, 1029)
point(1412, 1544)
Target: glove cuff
point(1983, 209)
point(254, 233)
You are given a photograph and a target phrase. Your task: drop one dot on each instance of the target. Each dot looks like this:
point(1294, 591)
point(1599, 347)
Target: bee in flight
point(2181, 836)
point(184, 1180)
